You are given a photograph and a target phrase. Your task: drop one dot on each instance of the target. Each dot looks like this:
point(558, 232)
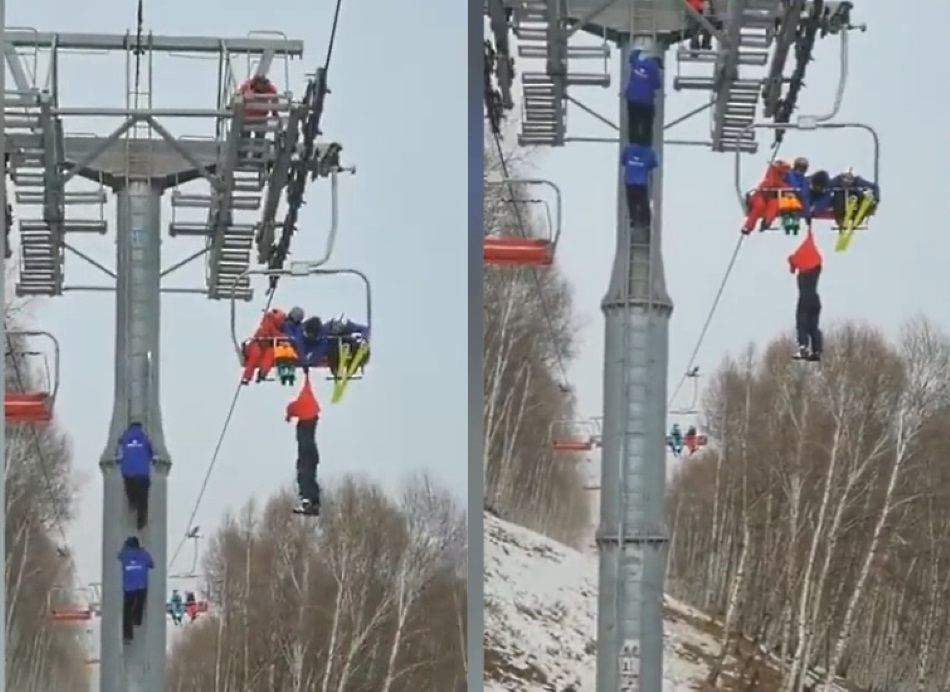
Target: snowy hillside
point(540, 620)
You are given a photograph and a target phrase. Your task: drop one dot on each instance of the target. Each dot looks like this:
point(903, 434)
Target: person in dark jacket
point(135, 461)
point(646, 79)
point(136, 562)
point(306, 409)
point(862, 195)
point(805, 263)
point(638, 163)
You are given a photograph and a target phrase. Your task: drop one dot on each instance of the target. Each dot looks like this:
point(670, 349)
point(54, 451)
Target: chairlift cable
point(715, 304)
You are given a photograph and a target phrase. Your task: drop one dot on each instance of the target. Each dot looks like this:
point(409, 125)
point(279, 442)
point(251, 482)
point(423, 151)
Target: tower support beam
point(631, 538)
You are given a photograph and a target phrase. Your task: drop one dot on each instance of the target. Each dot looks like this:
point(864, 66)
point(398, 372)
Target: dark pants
point(638, 205)
point(133, 611)
point(136, 492)
point(808, 312)
point(839, 202)
point(640, 117)
point(308, 458)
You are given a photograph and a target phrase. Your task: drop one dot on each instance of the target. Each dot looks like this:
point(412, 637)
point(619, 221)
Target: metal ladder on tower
point(748, 38)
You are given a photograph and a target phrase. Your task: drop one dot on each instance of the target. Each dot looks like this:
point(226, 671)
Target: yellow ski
point(347, 368)
point(848, 225)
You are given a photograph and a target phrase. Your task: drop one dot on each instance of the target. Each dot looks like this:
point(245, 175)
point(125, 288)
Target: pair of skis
point(350, 363)
point(856, 210)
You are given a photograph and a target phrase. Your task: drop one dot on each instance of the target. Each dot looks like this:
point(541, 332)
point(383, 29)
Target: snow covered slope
point(541, 620)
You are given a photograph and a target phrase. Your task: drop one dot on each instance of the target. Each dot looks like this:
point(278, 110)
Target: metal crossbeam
point(24, 38)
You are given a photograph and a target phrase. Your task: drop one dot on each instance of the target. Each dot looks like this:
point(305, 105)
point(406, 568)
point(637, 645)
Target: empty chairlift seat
point(35, 402)
point(575, 435)
point(533, 251)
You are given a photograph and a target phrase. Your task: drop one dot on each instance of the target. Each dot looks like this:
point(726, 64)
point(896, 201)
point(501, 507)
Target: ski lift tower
point(244, 166)
point(742, 73)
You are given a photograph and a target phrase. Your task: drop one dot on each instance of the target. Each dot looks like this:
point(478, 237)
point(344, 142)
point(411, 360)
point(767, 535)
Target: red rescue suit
point(763, 202)
point(259, 94)
point(259, 350)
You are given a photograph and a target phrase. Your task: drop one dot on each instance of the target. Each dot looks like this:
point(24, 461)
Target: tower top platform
point(620, 16)
point(208, 45)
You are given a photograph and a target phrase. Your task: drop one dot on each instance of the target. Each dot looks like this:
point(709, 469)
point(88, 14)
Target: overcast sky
point(403, 220)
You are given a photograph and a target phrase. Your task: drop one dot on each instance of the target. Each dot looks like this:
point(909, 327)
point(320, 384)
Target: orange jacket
point(257, 98)
point(806, 257)
point(305, 407)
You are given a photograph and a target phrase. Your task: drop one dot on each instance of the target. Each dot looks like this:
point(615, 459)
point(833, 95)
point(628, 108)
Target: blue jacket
point(646, 78)
point(135, 453)
point(857, 183)
point(136, 562)
point(638, 161)
point(294, 332)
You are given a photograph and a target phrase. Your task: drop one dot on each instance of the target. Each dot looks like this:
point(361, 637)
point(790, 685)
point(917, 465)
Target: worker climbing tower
point(243, 152)
point(743, 71)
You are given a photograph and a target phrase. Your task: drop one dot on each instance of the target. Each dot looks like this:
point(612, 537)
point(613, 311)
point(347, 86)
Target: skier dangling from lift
point(306, 409)
point(638, 163)
point(645, 82)
point(805, 262)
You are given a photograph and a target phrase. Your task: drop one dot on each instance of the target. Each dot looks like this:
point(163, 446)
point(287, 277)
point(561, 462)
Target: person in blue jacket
point(136, 563)
point(646, 79)
point(176, 607)
point(293, 327)
point(865, 195)
point(638, 163)
point(324, 342)
point(135, 462)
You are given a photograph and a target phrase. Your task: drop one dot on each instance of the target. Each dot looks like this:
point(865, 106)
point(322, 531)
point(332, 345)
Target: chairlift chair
point(34, 405)
point(514, 251)
point(575, 435)
point(69, 606)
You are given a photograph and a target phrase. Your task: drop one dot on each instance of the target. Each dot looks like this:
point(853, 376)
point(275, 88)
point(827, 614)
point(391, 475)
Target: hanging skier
point(135, 462)
point(638, 163)
point(136, 562)
point(805, 262)
point(645, 82)
point(306, 409)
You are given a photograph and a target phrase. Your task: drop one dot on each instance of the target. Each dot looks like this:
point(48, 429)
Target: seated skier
point(762, 203)
point(336, 344)
point(259, 349)
point(176, 607)
point(853, 199)
point(691, 439)
point(675, 440)
point(805, 262)
point(191, 606)
point(292, 328)
point(638, 163)
point(135, 463)
point(306, 409)
point(136, 563)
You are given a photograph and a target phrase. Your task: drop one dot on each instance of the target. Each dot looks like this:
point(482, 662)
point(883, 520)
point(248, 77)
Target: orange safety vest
point(305, 407)
point(806, 257)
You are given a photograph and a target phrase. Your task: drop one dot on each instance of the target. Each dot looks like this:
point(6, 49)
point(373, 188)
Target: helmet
point(800, 164)
point(296, 314)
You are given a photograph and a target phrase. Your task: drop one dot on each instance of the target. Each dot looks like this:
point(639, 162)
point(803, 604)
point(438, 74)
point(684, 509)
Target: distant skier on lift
point(675, 440)
point(691, 439)
point(135, 462)
point(176, 607)
point(638, 163)
point(646, 80)
point(306, 409)
point(805, 262)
